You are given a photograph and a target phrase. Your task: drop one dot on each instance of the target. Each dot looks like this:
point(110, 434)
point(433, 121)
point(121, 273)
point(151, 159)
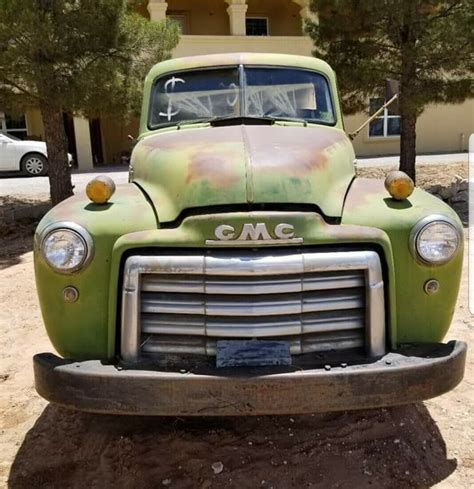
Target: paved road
point(39, 187)
point(441, 159)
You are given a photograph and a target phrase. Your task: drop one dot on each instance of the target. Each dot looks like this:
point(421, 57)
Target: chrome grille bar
point(316, 301)
point(243, 285)
point(240, 305)
point(207, 345)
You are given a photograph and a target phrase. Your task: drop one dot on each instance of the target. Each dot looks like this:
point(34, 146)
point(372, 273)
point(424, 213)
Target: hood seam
point(248, 166)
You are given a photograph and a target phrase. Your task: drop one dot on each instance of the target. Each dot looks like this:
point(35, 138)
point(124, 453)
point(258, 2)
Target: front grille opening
point(317, 301)
point(314, 312)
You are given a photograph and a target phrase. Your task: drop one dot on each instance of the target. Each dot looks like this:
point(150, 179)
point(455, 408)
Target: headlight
point(67, 247)
point(435, 240)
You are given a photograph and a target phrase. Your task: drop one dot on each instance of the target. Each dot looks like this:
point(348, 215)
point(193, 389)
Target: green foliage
point(87, 56)
point(426, 44)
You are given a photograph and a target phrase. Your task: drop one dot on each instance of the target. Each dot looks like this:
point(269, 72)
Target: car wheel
point(34, 165)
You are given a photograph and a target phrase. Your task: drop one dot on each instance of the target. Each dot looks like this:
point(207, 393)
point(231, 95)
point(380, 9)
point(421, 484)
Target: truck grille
point(315, 301)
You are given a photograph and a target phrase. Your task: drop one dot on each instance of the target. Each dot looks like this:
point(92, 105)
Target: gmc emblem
point(258, 233)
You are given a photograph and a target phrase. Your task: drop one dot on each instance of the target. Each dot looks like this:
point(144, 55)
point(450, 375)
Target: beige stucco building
point(273, 26)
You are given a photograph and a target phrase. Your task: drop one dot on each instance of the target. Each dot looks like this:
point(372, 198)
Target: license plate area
point(252, 353)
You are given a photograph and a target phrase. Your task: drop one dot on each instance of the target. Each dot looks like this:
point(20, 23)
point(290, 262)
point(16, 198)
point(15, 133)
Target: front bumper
point(412, 373)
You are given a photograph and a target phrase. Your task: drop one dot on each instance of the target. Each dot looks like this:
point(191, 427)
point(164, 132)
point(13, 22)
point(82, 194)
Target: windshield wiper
point(217, 121)
point(194, 121)
point(291, 119)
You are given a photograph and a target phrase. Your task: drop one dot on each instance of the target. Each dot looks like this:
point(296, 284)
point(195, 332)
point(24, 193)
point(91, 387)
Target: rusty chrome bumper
point(412, 373)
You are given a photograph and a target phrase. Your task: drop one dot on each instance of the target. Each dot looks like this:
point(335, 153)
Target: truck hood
point(209, 166)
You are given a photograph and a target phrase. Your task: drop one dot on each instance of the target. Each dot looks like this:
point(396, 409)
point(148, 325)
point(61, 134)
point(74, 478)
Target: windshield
point(9, 136)
point(268, 92)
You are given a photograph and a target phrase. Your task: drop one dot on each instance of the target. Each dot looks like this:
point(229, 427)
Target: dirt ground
point(42, 446)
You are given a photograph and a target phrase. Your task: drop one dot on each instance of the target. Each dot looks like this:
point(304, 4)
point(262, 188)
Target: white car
point(29, 157)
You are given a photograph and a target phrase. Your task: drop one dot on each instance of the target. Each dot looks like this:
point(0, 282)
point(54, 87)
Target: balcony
point(191, 45)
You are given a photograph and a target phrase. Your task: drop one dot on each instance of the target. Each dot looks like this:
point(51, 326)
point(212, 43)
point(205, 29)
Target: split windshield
point(247, 92)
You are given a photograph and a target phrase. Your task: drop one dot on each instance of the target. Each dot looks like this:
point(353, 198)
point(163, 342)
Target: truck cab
point(245, 268)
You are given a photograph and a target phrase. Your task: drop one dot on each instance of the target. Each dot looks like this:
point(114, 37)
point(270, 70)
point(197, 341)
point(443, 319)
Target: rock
point(435, 189)
point(217, 467)
point(462, 196)
point(445, 193)
point(438, 196)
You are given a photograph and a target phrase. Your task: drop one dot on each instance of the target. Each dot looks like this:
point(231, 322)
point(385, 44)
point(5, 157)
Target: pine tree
point(424, 44)
point(76, 56)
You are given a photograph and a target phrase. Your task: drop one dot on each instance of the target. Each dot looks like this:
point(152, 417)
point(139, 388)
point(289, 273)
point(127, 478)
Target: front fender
point(420, 317)
point(79, 329)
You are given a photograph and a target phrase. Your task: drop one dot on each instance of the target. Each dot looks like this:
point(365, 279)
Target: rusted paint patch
point(217, 168)
point(295, 150)
point(363, 192)
point(196, 167)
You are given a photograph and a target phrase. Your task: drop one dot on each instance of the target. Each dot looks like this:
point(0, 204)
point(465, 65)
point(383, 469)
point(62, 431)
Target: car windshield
point(247, 92)
point(9, 136)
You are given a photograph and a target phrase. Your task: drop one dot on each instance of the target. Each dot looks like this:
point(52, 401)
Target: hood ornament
point(254, 234)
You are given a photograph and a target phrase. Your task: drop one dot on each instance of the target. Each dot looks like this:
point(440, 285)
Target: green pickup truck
point(245, 269)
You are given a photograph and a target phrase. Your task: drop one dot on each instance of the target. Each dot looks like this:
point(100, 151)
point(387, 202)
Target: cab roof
point(232, 59)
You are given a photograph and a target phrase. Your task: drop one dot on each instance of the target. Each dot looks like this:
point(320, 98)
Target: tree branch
point(12, 84)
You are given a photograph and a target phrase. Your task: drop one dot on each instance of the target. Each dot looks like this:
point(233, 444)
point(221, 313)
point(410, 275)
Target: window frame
point(6, 130)
point(385, 116)
point(240, 67)
point(258, 17)
point(184, 16)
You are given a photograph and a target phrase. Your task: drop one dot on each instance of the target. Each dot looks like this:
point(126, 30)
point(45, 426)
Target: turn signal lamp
point(100, 189)
point(399, 185)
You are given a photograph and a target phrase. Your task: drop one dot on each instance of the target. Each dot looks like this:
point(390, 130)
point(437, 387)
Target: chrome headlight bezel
point(421, 226)
point(80, 232)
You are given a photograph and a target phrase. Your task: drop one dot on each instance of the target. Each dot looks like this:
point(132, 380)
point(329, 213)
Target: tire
point(34, 165)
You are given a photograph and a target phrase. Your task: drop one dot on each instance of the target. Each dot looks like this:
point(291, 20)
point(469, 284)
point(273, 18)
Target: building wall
point(210, 17)
point(141, 8)
point(440, 128)
point(34, 123)
point(204, 17)
point(115, 139)
point(284, 17)
point(194, 45)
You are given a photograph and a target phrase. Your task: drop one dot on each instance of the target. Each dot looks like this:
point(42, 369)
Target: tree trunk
point(407, 106)
point(56, 143)
point(408, 141)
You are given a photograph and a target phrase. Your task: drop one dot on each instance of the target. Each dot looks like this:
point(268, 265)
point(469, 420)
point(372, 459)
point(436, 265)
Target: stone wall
point(456, 194)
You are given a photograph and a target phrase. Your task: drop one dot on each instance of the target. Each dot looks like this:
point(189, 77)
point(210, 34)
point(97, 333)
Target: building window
point(181, 20)
point(256, 26)
point(15, 125)
point(387, 124)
